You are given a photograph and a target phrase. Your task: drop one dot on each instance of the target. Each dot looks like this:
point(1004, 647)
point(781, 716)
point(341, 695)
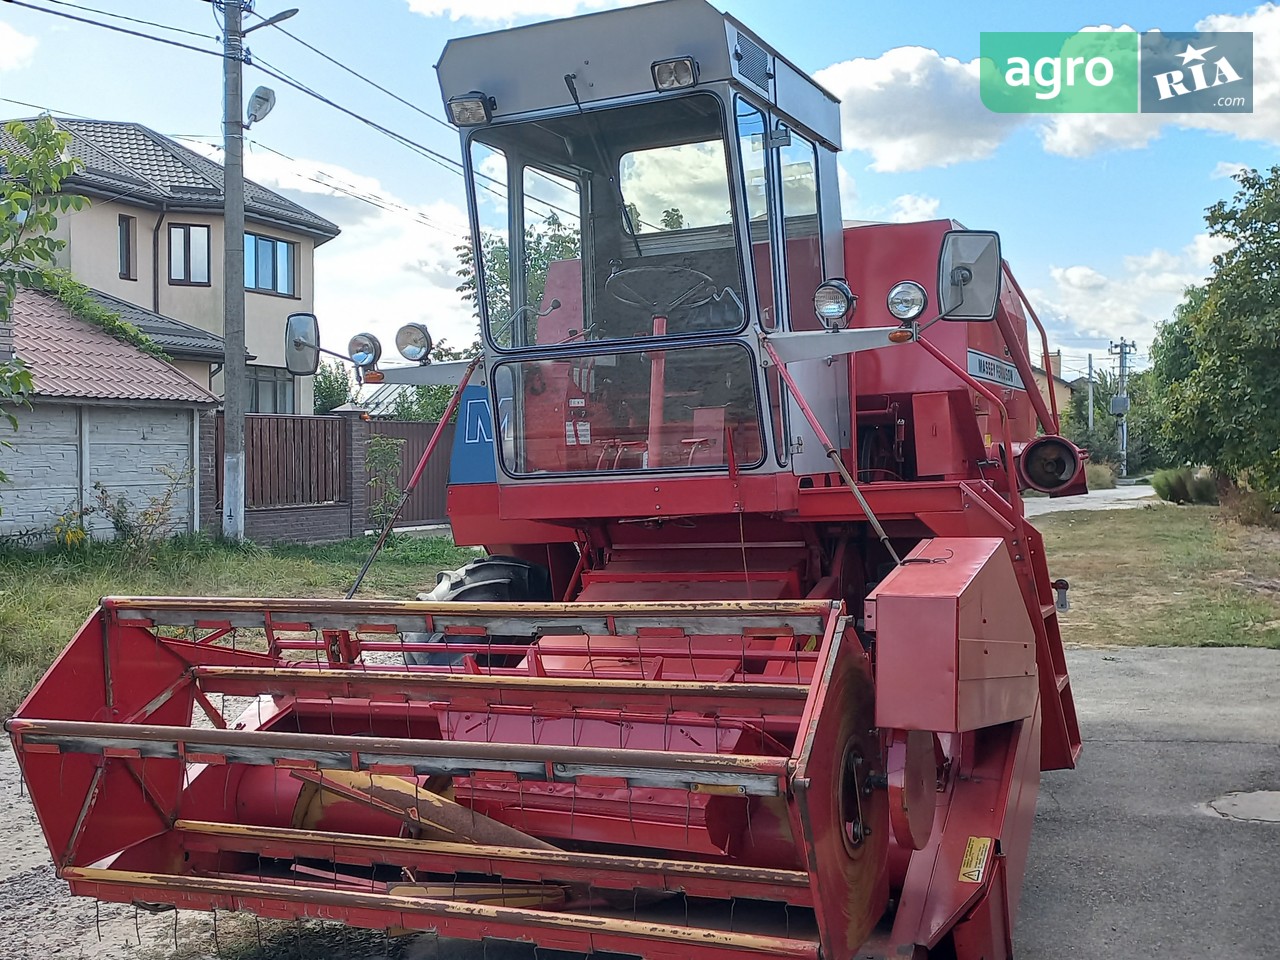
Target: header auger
point(764, 659)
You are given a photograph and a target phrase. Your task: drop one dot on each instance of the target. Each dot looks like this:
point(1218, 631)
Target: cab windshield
point(607, 225)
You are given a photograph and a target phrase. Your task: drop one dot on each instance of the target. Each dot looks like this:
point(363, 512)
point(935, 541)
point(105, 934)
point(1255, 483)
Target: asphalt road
point(1126, 862)
point(1119, 498)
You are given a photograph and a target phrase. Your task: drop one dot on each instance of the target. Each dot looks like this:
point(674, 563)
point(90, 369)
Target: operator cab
point(636, 210)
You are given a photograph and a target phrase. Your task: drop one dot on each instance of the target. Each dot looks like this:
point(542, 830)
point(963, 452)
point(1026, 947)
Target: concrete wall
point(92, 254)
point(62, 449)
point(321, 523)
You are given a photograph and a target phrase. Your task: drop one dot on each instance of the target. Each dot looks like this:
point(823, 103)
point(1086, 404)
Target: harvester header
point(762, 658)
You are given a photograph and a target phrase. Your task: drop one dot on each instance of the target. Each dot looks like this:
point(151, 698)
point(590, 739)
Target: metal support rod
point(831, 451)
point(234, 398)
point(417, 475)
point(1054, 425)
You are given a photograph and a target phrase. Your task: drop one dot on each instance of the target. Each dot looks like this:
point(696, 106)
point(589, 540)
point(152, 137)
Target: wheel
point(486, 580)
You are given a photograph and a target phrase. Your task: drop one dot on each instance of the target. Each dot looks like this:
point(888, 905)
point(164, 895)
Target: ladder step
point(1064, 681)
point(1048, 610)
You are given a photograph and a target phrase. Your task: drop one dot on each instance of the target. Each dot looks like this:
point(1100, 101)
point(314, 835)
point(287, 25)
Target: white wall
point(60, 450)
point(92, 254)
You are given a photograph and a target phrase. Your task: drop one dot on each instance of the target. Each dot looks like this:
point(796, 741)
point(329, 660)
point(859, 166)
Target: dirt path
point(38, 917)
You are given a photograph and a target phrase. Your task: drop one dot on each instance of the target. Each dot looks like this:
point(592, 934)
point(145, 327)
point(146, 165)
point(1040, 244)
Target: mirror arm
point(1023, 364)
point(1044, 343)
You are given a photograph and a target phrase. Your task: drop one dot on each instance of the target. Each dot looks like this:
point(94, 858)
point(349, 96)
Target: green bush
point(1202, 487)
point(1171, 485)
point(1100, 476)
point(1186, 485)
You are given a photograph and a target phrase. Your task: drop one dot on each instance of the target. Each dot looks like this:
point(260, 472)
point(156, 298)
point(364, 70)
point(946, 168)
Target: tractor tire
point(487, 580)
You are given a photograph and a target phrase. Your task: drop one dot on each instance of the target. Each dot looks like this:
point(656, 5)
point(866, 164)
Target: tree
point(333, 387)
point(1215, 361)
point(672, 219)
point(544, 244)
point(428, 403)
point(31, 176)
point(1103, 442)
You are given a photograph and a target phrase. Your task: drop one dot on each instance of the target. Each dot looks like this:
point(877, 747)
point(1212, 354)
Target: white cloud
point(848, 191)
point(1225, 169)
point(1080, 135)
point(502, 11)
point(1085, 303)
point(911, 207)
point(394, 261)
point(1078, 278)
point(912, 108)
point(16, 49)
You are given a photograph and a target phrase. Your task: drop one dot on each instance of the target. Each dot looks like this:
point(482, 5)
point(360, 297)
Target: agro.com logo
point(1117, 72)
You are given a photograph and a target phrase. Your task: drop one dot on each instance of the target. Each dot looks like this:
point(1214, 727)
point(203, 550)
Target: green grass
point(44, 597)
point(1165, 576)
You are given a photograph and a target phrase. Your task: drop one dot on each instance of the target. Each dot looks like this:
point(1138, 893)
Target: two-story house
point(153, 237)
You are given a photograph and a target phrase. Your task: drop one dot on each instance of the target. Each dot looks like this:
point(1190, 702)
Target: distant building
point(1062, 389)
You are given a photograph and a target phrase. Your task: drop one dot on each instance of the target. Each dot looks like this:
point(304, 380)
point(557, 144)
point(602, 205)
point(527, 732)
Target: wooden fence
point(428, 503)
point(291, 460)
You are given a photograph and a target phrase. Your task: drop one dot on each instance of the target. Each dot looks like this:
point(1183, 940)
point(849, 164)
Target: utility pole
point(1091, 393)
point(234, 380)
point(234, 386)
point(1120, 402)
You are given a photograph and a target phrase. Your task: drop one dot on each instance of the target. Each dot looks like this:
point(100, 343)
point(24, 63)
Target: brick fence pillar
point(207, 473)
point(358, 433)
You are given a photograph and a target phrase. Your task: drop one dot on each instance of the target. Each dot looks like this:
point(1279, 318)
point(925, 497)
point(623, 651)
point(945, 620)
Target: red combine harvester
point(765, 660)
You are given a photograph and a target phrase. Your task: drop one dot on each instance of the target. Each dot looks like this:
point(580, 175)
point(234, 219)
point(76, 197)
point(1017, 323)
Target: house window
point(270, 265)
point(270, 390)
point(189, 253)
point(128, 243)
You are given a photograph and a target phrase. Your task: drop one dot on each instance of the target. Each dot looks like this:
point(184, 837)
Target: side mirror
point(302, 344)
point(969, 274)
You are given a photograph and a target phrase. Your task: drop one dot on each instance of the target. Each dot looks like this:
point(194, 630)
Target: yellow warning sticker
point(976, 854)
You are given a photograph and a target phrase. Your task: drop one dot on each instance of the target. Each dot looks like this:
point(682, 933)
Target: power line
point(125, 30)
point(351, 190)
point(440, 159)
point(358, 75)
point(448, 163)
point(121, 16)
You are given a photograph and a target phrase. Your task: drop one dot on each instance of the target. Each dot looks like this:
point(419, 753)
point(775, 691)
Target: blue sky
point(1101, 215)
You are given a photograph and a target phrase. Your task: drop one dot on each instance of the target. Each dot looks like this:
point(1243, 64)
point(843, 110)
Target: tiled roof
point(72, 359)
point(130, 161)
point(179, 340)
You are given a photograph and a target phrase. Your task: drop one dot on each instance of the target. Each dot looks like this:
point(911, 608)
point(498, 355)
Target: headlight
point(472, 109)
point(364, 350)
point(675, 74)
point(907, 300)
point(834, 304)
point(414, 342)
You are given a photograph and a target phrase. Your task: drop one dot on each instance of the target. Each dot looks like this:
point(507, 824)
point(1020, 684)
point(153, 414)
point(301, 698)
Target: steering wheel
point(620, 290)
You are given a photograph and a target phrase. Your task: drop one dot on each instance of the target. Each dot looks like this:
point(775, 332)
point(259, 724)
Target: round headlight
point(364, 349)
point(907, 300)
point(834, 302)
point(414, 342)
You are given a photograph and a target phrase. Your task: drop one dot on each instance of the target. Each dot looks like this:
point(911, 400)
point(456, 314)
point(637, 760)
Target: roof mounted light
point(473, 109)
point(675, 74)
